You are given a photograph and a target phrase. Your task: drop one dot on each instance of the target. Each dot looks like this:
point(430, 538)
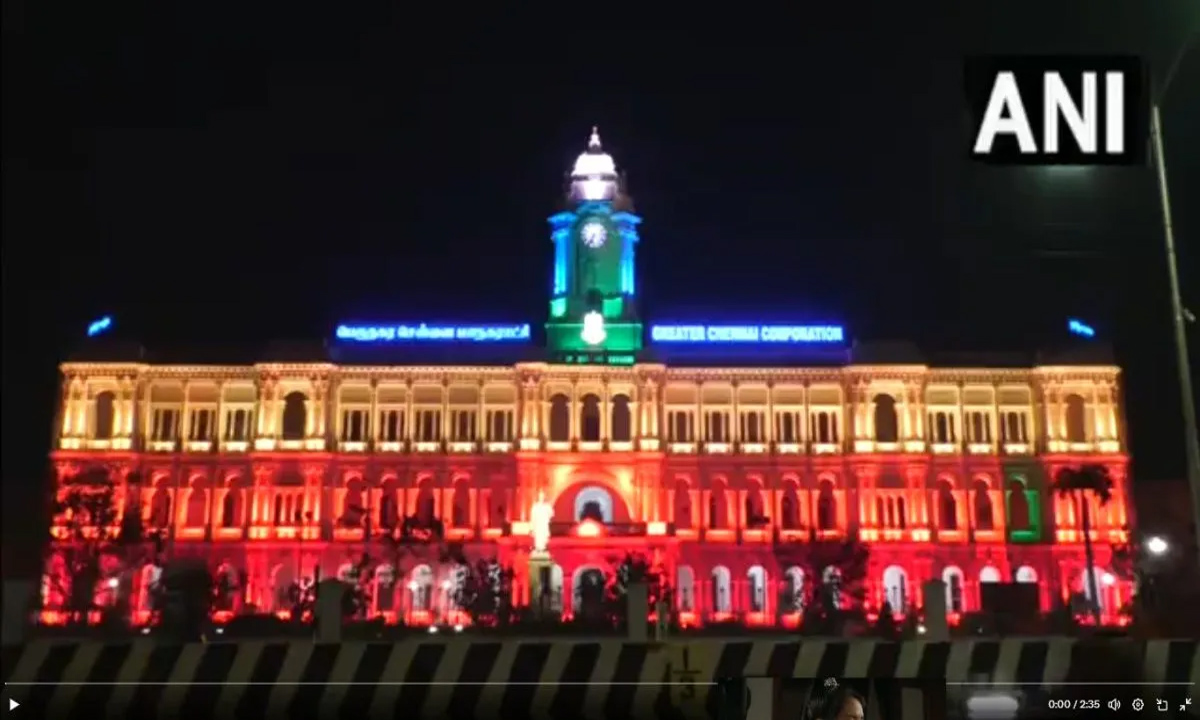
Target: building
point(274, 469)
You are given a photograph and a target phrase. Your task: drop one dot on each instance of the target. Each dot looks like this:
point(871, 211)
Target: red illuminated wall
point(277, 516)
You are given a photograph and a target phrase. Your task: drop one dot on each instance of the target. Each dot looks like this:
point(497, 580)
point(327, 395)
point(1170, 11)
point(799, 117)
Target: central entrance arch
point(593, 503)
point(592, 495)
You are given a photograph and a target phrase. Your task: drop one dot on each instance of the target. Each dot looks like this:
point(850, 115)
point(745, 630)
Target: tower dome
point(594, 176)
point(594, 162)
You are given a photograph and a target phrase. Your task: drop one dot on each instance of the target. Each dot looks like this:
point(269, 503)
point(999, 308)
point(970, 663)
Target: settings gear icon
point(1138, 704)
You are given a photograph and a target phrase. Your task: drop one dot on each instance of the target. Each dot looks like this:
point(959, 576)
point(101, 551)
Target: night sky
point(211, 175)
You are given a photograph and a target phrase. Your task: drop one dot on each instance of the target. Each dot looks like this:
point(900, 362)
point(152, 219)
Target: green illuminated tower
point(593, 316)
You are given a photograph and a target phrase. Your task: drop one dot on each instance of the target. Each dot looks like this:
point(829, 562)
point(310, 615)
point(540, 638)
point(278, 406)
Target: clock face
point(594, 234)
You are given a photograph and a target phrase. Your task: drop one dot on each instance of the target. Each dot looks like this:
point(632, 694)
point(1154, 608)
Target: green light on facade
point(1034, 533)
point(558, 307)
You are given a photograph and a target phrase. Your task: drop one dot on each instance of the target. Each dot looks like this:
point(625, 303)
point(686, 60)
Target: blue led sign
point(432, 333)
point(1075, 327)
point(100, 326)
point(774, 334)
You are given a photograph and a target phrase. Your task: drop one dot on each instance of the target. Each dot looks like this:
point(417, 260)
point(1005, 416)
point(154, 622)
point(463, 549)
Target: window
point(295, 416)
point(164, 424)
point(462, 425)
point(941, 427)
point(429, 425)
point(622, 420)
point(105, 416)
point(824, 427)
point(787, 427)
point(681, 426)
point(716, 426)
point(1014, 427)
point(887, 424)
point(589, 418)
point(202, 424)
point(391, 425)
point(752, 428)
point(237, 424)
point(354, 425)
point(1076, 419)
point(560, 418)
point(500, 425)
point(980, 424)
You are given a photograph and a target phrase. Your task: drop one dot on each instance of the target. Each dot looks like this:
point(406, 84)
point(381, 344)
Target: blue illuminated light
point(1076, 327)
point(100, 326)
point(432, 333)
point(783, 334)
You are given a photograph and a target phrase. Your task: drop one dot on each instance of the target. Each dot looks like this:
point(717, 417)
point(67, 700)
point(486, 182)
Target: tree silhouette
point(90, 528)
point(835, 574)
point(483, 590)
point(184, 598)
point(1076, 484)
point(633, 568)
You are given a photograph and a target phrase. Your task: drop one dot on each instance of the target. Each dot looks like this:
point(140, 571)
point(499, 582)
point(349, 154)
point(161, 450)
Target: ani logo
point(593, 328)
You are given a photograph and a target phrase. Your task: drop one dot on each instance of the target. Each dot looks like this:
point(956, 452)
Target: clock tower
point(593, 315)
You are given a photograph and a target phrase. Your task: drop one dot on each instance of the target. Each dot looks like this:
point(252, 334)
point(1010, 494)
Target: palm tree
point(1076, 483)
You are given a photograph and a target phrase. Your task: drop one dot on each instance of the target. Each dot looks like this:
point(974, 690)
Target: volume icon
point(1114, 704)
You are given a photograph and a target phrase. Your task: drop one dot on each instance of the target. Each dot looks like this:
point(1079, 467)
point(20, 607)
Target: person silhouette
point(836, 701)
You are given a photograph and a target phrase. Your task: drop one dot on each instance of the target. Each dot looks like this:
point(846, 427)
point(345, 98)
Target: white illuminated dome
point(594, 162)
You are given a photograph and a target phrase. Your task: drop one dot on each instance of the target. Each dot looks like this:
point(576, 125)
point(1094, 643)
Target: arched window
point(622, 426)
point(105, 414)
point(895, 588)
point(722, 581)
point(718, 509)
point(461, 509)
point(295, 416)
point(757, 577)
point(683, 505)
point(1012, 428)
point(953, 578)
point(826, 507)
point(589, 418)
point(160, 509)
point(229, 508)
point(1076, 419)
point(389, 517)
point(787, 428)
point(941, 428)
point(789, 508)
point(1018, 506)
point(947, 506)
point(887, 426)
point(426, 504)
point(560, 418)
point(239, 425)
point(197, 507)
point(984, 514)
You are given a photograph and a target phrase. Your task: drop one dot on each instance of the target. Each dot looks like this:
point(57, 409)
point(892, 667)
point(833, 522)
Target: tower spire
point(594, 140)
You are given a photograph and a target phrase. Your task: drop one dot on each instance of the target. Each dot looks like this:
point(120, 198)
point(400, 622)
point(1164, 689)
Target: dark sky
point(209, 173)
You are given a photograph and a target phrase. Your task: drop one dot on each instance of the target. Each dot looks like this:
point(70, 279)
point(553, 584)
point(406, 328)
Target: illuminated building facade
point(274, 469)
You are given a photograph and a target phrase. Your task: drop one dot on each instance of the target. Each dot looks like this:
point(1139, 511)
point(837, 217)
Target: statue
point(540, 517)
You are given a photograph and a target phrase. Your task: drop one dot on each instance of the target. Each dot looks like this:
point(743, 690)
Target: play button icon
point(13, 704)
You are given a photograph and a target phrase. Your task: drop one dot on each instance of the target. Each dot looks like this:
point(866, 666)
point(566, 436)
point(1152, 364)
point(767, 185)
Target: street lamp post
point(1187, 395)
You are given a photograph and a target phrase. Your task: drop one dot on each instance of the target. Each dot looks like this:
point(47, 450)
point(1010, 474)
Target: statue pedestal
point(540, 586)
